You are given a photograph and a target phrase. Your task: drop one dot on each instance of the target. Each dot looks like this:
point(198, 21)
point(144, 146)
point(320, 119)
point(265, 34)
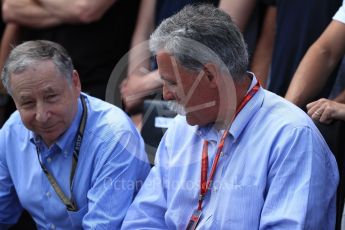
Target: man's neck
point(241, 88)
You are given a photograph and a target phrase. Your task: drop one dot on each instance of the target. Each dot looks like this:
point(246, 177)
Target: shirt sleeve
point(10, 208)
point(118, 175)
point(340, 15)
point(302, 183)
point(150, 205)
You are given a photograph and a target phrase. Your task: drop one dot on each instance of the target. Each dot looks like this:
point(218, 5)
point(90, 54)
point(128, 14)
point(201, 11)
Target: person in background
point(71, 160)
point(238, 156)
point(321, 59)
point(255, 18)
point(298, 25)
point(3, 95)
point(95, 33)
point(312, 76)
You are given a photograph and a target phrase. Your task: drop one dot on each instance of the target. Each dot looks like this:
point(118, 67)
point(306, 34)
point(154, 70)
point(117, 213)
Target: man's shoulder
point(14, 122)
point(281, 112)
point(13, 132)
point(280, 118)
point(104, 117)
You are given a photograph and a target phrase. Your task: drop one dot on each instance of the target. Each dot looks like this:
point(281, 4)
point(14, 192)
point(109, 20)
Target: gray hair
point(201, 34)
point(28, 53)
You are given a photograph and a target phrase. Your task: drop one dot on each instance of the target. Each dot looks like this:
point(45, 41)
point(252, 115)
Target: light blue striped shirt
point(276, 172)
point(112, 164)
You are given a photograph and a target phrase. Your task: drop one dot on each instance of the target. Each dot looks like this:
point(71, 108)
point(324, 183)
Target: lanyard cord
point(204, 183)
point(70, 203)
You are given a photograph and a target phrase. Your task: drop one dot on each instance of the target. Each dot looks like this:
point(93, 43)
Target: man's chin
point(50, 135)
point(192, 121)
point(197, 120)
point(48, 132)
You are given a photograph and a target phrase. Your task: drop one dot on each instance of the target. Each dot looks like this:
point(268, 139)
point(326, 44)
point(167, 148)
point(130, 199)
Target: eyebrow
point(24, 98)
point(49, 90)
point(45, 91)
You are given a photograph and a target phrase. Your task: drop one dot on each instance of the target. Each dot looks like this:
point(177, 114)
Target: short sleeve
point(340, 15)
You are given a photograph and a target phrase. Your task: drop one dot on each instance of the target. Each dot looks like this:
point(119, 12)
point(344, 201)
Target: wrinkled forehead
point(41, 75)
point(35, 68)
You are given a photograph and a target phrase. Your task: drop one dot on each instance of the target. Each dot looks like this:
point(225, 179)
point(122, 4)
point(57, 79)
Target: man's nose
point(168, 93)
point(42, 113)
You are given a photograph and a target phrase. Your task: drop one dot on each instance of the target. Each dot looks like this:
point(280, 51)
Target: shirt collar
point(207, 132)
point(65, 141)
point(248, 111)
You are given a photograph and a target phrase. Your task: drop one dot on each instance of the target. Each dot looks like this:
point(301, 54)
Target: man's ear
point(76, 81)
point(212, 74)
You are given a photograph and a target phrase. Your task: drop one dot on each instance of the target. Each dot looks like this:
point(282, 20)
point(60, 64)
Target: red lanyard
point(204, 183)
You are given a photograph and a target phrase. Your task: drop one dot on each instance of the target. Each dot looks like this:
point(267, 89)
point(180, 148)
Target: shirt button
point(52, 226)
point(49, 160)
point(48, 194)
point(222, 154)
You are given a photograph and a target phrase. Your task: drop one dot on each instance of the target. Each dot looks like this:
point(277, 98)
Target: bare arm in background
point(143, 29)
point(9, 38)
point(341, 97)
point(239, 10)
point(140, 82)
point(262, 56)
point(46, 13)
point(317, 64)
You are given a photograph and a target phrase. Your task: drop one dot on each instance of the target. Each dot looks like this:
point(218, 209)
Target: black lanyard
point(70, 203)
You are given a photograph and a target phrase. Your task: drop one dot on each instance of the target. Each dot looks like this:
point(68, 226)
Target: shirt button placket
point(215, 188)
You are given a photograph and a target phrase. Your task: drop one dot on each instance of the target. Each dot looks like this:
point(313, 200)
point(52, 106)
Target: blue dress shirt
point(276, 172)
point(111, 167)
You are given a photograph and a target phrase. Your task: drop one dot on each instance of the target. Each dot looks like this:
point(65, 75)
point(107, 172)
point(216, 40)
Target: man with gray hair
point(71, 160)
point(239, 157)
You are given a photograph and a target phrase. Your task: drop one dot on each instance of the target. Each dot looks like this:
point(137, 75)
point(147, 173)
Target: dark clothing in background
point(96, 47)
point(299, 24)
point(167, 8)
